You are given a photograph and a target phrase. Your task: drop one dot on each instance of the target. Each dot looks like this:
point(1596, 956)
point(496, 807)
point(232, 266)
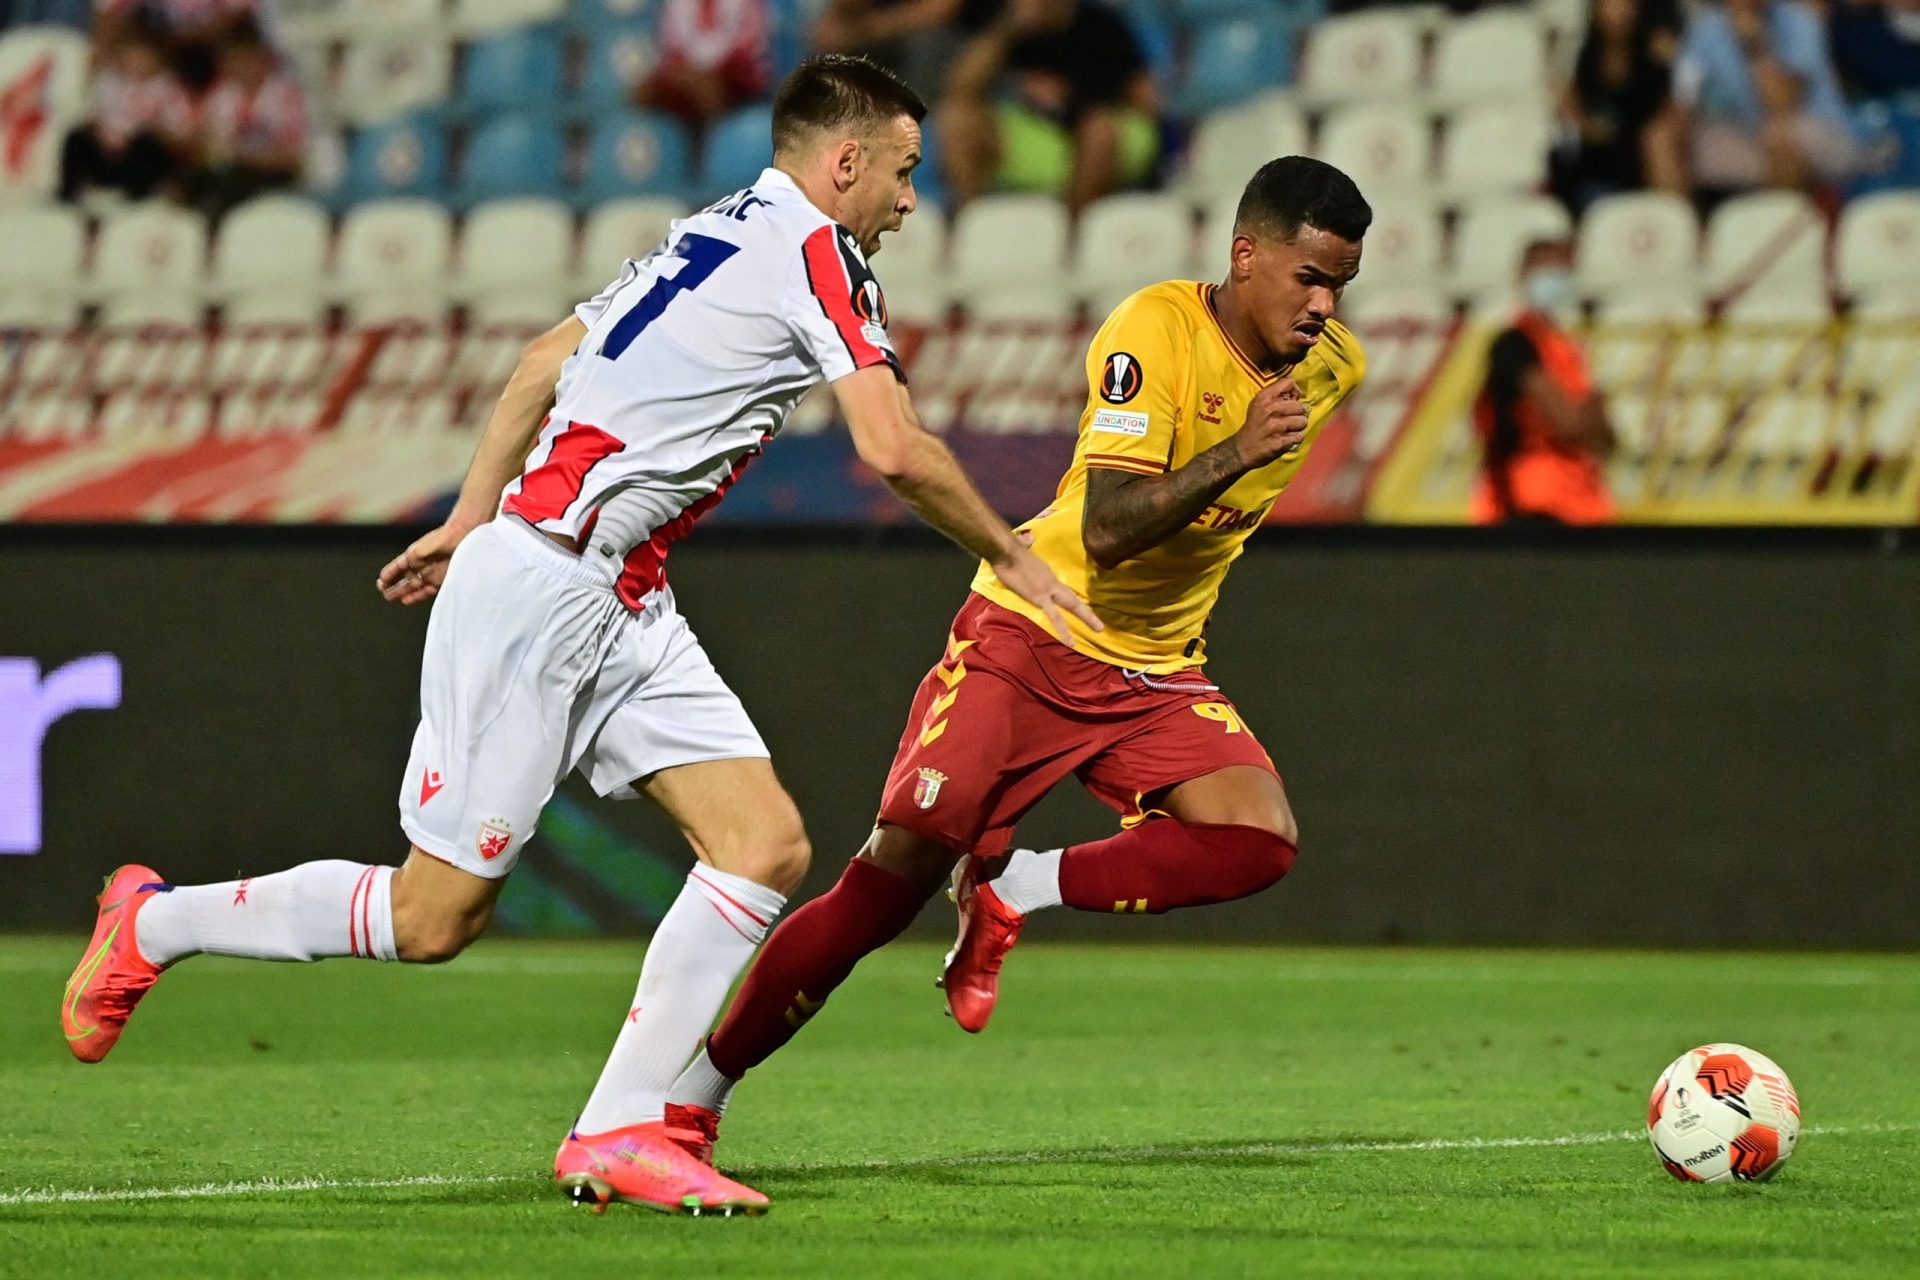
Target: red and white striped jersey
point(242, 123)
point(693, 358)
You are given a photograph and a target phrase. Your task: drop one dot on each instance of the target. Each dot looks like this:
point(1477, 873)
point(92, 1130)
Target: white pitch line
point(1104, 1155)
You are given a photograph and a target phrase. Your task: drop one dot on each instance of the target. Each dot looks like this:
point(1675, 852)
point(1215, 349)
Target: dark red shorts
point(1009, 711)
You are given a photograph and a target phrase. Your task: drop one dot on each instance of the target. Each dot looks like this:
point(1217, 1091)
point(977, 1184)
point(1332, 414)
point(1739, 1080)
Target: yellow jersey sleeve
point(1137, 366)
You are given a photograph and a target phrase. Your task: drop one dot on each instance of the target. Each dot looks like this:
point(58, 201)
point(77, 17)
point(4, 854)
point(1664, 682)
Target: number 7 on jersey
point(702, 256)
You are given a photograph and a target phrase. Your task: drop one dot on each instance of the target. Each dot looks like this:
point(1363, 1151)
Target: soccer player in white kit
point(555, 643)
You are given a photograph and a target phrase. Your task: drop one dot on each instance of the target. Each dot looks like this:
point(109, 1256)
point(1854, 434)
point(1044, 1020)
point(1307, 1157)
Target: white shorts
point(533, 667)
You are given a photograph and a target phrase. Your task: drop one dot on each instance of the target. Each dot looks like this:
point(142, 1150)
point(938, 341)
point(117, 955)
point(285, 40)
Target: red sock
point(1161, 865)
point(810, 954)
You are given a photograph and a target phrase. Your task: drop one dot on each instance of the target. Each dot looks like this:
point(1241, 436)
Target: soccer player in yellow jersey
point(1202, 403)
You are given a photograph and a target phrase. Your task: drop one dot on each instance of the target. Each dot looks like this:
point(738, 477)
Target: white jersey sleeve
point(835, 307)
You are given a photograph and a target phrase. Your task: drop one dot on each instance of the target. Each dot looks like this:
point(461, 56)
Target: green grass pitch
point(1134, 1110)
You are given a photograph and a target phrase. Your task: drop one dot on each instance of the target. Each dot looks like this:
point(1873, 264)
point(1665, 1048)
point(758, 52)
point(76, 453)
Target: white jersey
point(693, 358)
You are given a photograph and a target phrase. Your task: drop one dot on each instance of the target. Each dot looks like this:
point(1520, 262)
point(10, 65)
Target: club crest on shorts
point(495, 835)
point(926, 789)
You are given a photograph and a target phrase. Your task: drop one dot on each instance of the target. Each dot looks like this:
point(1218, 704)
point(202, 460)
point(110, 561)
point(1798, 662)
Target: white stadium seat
point(618, 230)
point(1496, 148)
point(1876, 251)
point(522, 246)
point(1403, 244)
point(392, 17)
point(911, 268)
point(1008, 257)
point(43, 84)
point(1229, 144)
point(1384, 147)
point(393, 260)
point(270, 245)
point(1128, 240)
point(1766, 242)
point(480, 17)
point(1496, 53)
point(45, 246)
point(385, 76)
point(1375, 54)
point(1392, 304)
point(1636, 239)
point(1491, 236)
point(150, 262)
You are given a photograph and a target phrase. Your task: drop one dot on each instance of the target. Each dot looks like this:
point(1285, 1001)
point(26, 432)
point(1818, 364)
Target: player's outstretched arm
point(416, 573)
point(927, 477)
point(1127, 514)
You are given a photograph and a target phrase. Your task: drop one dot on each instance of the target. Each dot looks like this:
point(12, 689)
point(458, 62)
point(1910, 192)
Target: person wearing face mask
point(1543, 428)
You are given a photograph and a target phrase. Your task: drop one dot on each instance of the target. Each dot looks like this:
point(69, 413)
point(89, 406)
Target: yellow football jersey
point(1165, 382)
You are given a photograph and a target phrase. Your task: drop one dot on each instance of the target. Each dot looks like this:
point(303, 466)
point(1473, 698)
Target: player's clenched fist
point(1276, 424)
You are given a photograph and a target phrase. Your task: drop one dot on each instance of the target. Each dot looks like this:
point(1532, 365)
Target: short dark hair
point(1299, 191)
point(836, 90)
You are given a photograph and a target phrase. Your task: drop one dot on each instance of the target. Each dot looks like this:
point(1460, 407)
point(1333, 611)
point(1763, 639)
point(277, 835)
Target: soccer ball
point(1723, 1113)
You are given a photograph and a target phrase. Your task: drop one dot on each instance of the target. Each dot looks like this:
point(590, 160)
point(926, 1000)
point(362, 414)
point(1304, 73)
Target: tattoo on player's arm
point(1127, 514)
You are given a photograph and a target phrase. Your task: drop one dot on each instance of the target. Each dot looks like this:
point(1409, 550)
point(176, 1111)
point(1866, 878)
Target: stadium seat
point(512, 156)
point(738, 148)
point(1637, 237)
point(1403, 244)
point(401, 158)
point(1496, 148)
point(1877, 248)
point(392, 261)
point(150, 261)
point(393, 18)
point(634, 153)
point(511, 247)
point(270, 245)
point(43, 88)
point(1638, 334)
point(1491, 236)
point(46, 245)
point(1384, 147)
point(516, 69)
point(1227, 145)
point(911, 268)
point(1766, 242)
point(1127, 241)
point(1231, 61)
point(1008, 257)
point(484, 17)
point(1373, 54)
point(1495, 53)
point(618, 230)
point(617, 59)
point(385, 77)
point(595, 16)
point(1763, 335)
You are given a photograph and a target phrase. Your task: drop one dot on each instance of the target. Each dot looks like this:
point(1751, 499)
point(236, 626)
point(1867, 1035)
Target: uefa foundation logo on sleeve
point(30, 703)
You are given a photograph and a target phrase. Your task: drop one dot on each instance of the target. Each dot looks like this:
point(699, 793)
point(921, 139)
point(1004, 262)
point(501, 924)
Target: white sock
point(700, 947)
point(1031, 880)
point(318, 909)
point(702, 1085)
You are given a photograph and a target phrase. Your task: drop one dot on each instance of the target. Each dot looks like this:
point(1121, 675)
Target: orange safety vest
point(1543, 476)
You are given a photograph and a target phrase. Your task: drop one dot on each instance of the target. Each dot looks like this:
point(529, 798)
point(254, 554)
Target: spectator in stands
point(138, 119)
point(1543, 428)
point(1054, 97)
point(715, 55)
point(192, 30)
point(1764, 102)
point(253, 125)
point(917, 39)
point(1876, 46)
point(1621, 129)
